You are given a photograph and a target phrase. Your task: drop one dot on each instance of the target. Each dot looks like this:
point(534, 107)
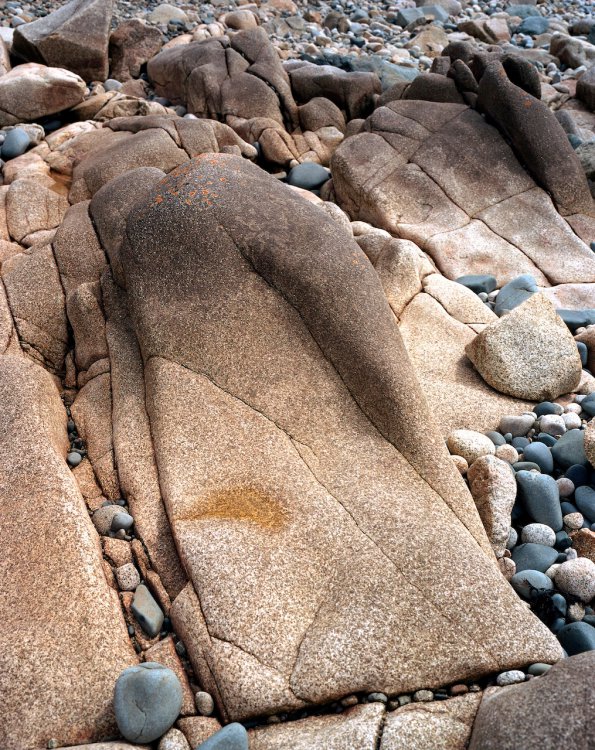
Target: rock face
point(255, 420)
point(560, 704)
point(130, 45)
point(473, 210)
point(529, 353)
point(64, 635)
point(74, 37)
point(31, 91)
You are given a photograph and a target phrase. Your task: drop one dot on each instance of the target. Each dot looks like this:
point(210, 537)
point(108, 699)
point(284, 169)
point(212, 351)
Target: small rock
point(565, 486)
point(515, 293)
point(423, 696)
point(74, 458)
point(147, 611)
point(530, 556)
point(507, 453)
point(541, 455)
point(573, 521)
point(103, 517)
point(539, 533)
point(205, 705)
point(173, 740)
point(552, 424)
point(511, 677)
point(308, 176)
point(231, 737)
point(570, 449)
point(122, 521)
point(577, 637)
point(518, 426)
point(470, 444)
point(147, 700)
point(584, 497)
point(538, 669)
point(459, 689)
point(128, 577)
point(530, 582)
point(577, 577)
point(539, 496)
point(461, 464)
point(17, 141)
point(478, 283)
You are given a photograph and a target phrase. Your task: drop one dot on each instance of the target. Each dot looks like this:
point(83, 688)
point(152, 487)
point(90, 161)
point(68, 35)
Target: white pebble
point(128, 577)
point(552, 424)
point(565, 486)
point(574, 408)
point(538, 533)
point(571, 421)
point(577, 577)
point(512, 677)
point(470, 445)
point(573, 521)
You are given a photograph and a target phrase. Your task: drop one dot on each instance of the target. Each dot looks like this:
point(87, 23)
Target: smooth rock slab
point(147, 701)
point(284, 466)
point(63, 632)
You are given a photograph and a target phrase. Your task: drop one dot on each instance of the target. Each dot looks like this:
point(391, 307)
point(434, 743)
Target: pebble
point(496, 438)
point(577, 578)
point(513, 538)
point(577, 637)
point(470, 444)
point(507, 453)
point(539, 668)
point(461, 464)
point(205, 705)
point(16, 142)
point(517, 426)
point(539, 533)
point(540, 498)
point(552, 424)
point(423, 696)
point(112, 85)
point(173, 740)
point(377, 698)
point(548, 407)
point(74, 458)
point(478, 283)
point(147, 701)
point(511, 677)
point(541, 455)
point(530, 581)
point(571, 421)
point(573, 521)
point(459, 689)
point(147, 611)
point(128, 577)
point(231, 737)
point(570, 449)
point(103, 517)
point(308, 176)
point(565, 486)
point(122, 521)
point(530, 556)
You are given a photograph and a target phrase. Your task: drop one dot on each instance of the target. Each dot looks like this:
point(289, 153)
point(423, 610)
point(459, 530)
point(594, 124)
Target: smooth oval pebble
point(147, 701)
point(74, 458)
point(511, 677)
point(540, 454)
point(538, 669)
point(231, 737)
point(530, 581)
point(17, 141)
point(122, 521)
point(539, 533)
point(577, 637)
point(308, 176)
point(205, 705)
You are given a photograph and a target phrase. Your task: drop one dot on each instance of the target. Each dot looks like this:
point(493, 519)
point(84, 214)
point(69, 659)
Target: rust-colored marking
point(240, 503)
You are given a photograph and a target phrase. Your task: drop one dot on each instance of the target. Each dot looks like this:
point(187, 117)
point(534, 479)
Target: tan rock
point(494, 489)
point(589, 441)
point(173, 739)
point(357, 729)
point(197, 729)
point(433, 726)
point(529, 353)
point(31, 207)
point(165, 653)
point(470, 444)
point(32, 91)
point(85, 314)
point(131, 45)
point(401, 267)
point(55, 599)
point(577, 578)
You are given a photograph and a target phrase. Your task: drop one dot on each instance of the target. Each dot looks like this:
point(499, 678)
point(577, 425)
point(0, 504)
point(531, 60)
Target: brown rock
point(164, 653)
point(494, 489)
point(583, 541)
point(117, 551)
point(529, 353)
point(197, 729)
point(357, 729)
point(252, 525)
point(32, 91)
point(585, 88)
point(131, 45)
point(446, 724)
point(31, 207)
point(240, 19)
point(560, 704)
point(74, 37)
point(63, 634)
point(88, 324)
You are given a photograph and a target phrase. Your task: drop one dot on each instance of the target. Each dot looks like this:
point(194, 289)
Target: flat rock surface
point(63, 641)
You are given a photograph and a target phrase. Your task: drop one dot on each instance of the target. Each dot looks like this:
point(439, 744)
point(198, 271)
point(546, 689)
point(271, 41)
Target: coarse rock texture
point(560, 704)
point(529, 353)
point(223, 503)
point(359, 728)
point(432, 726)
point(74, 36)
point(64, 634)
point(494, 490)
point(31, 91)
point(480, 210)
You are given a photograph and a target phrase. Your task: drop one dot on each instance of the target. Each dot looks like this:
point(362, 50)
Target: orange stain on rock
point(240, 503)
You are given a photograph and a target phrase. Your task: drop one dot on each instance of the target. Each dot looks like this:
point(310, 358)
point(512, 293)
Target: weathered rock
point(32, 91)
point(310, 596)
point(585, 88)
point(494, 490)
point(74, 37)
point(131, 45)
point(559, 703)
point(63, 634)
point(529, 353)
point(356, 729)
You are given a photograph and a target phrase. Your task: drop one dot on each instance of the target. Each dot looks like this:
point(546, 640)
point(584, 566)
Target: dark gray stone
point(17, 141)
point(577, 318)
point(515, 293)
point(547, 407)
point(496, 438)
point(532, 556)
point(147, 611)
point(481, 282)
point(540, 497)
point(147, 701)
point(584, 498)
point(588, 404)
point(528, 581)
point(546, 439)
point(231, 737)
point(534, 25)
point(541, 455)
point(308, 176)
point(523, 11)
point(583, 352)
point(577, 638)
point(570, 449)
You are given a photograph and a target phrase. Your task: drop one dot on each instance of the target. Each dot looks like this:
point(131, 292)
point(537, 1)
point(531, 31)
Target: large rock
point(473, 209)
point(74, 37)
point(32, 91)
point(560, 706)
point(131, 45)
point(529, 353)
point(294, 446)
point(64, 640)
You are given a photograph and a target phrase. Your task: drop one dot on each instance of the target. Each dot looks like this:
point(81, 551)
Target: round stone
point(532, 556)
point(461, 464)
point(518, 426)
point(539, 668)
point(541, 455)
point(584, 497)
point(571, 421)
point(577, 577)
point(128, 577)
point(423, 696)
point(530, 582)
point(570, 449)
point(231, 737)
point(308, 176)
point(205, 705)
point(147, 701)
point(565, 486)
point(540, 498)
point(470, 444)
point(122, 521)
point(513, 538)
point(539, 533)
point(103, 517)
point(511, 677)
point(552, 424)
point(507, 453)
point(574, 521)
point(173, 740)
point(74, 458)
point(577, 637)
point(17, 141)
point(112, 85)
